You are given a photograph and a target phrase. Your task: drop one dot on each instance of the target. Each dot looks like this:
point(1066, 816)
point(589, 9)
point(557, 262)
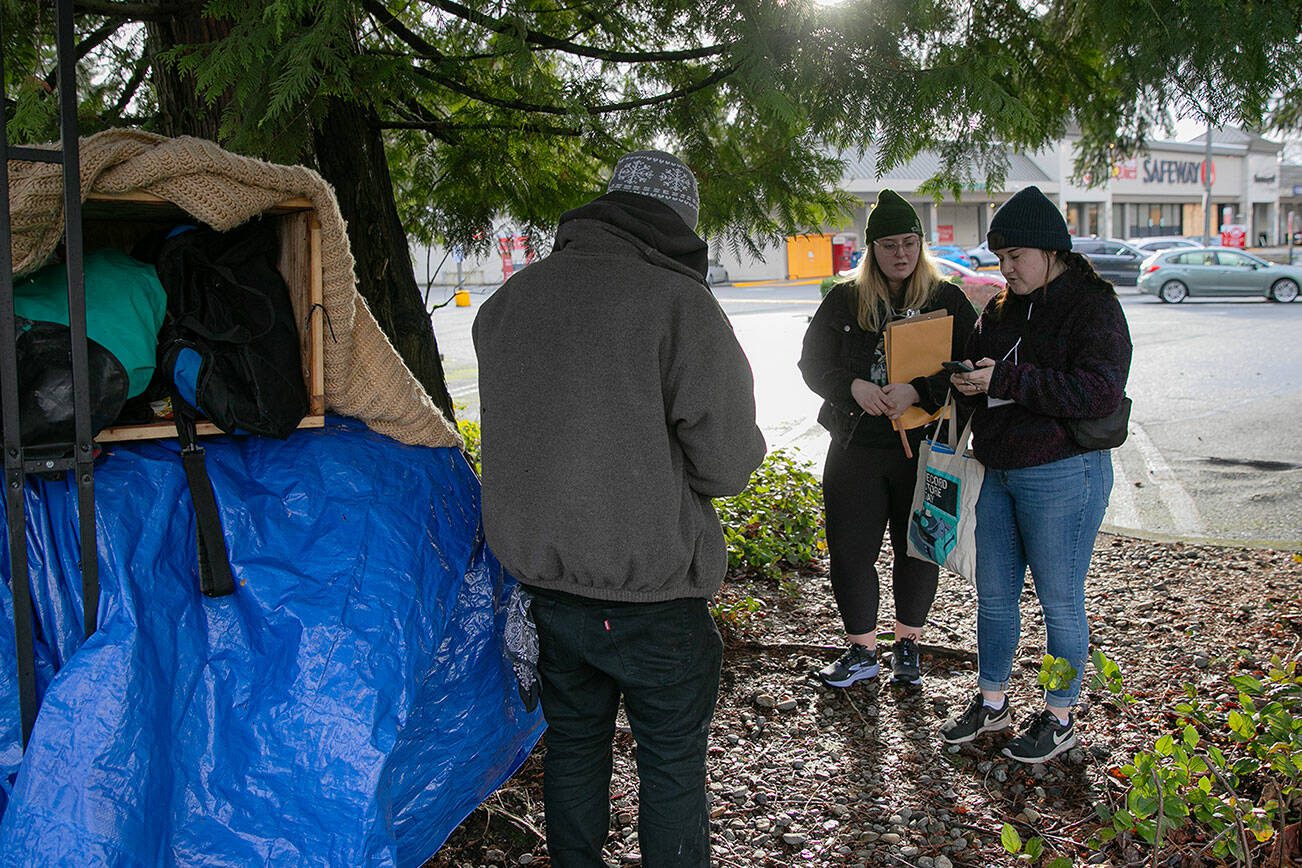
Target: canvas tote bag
point(942, 523)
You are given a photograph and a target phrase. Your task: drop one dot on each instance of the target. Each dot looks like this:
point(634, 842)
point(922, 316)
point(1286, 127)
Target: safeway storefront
point(1161, 191)
point(1158, 192)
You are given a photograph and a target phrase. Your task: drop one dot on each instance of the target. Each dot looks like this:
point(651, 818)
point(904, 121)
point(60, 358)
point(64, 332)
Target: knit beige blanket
point(364, 376)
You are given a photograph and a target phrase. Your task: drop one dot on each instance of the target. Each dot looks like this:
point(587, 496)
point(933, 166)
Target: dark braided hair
point(1073, 263)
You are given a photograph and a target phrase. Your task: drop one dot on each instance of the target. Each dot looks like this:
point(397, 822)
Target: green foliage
point(738, 612)
point(777, 522)
point(1231, 771)
point(470, 443)
point(1010, 839)
point(515, 110)
point(1055, 673)
point(1031, 851)
point(1107, 676)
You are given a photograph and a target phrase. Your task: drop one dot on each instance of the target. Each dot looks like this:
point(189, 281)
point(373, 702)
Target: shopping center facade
point(1158, 192)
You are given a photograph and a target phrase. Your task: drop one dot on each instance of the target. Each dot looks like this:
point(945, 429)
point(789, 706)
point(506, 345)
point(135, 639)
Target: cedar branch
point(543, 40)
point(138, 11)
point(441, 128)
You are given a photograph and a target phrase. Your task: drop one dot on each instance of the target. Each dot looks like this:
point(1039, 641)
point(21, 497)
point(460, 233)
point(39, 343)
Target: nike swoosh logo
point(1059, 738)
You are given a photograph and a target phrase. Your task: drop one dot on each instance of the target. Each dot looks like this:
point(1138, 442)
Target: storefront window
point(1083, 218)
point(1156, 219)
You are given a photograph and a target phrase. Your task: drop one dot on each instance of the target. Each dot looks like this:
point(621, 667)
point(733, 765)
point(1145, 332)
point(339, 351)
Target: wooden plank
point(297, 203)
point(159, 430)
point(316, 320)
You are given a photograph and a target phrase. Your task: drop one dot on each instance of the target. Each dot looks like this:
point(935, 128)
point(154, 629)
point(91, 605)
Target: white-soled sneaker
point(976, 719)
point(1042, 740)
point(858, 663)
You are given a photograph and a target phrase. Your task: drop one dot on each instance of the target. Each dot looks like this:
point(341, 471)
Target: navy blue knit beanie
point(1029, 219)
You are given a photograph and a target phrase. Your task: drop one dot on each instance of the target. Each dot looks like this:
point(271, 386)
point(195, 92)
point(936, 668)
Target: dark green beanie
point(891, 216)
point(1029, 219)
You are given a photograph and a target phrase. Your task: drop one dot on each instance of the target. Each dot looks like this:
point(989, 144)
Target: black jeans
point(865, 490)
point(664, 660)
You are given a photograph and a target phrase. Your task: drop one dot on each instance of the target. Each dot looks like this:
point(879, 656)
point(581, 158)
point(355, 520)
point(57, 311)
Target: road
point(1214, 451)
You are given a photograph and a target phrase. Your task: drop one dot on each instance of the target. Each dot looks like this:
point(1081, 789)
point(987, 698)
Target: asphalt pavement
point(1214, 451)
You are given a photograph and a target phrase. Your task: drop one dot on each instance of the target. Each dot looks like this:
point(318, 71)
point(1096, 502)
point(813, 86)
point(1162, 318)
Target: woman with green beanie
point(868, 480)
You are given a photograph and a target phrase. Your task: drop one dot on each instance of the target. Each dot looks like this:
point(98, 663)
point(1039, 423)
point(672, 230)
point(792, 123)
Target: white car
point(981, 256)
point(1161, 242)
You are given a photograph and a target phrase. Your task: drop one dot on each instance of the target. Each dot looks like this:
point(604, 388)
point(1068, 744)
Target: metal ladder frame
point(77, 456)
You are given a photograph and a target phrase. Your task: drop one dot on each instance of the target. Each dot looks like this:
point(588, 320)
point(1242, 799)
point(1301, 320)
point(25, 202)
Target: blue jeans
point(663, 660)
point(1044, 517)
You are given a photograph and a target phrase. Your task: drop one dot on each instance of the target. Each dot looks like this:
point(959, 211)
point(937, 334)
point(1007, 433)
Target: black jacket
point(838, 351)
point(1072, 363)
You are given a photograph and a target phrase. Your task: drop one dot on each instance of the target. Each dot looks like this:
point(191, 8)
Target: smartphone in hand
point(957, 367)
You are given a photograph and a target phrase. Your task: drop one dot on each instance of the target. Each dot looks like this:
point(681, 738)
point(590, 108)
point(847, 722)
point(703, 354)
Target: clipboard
point(916, 347)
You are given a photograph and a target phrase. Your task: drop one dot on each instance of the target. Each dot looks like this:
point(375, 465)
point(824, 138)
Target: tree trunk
point(350, 155)
point(180, 110)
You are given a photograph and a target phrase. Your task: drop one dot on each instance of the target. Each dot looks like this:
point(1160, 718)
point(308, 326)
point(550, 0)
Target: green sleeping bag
point(125, 305)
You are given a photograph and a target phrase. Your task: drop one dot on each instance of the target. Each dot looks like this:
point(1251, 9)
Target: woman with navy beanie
point(1050, 349)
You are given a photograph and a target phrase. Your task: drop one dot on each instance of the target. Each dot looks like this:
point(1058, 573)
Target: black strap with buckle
point(215, 579)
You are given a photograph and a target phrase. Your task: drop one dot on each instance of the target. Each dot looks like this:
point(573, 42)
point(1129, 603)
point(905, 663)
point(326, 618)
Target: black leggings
point(864, 489)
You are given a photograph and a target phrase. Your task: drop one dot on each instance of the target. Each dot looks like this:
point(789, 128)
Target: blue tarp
point(349, 704)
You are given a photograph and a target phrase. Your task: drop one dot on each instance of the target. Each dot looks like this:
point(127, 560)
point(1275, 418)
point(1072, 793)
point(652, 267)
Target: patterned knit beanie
point(891, 216)
point(661, 176)
point(1029, 219)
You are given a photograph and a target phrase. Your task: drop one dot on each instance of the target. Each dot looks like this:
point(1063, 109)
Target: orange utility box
point(809, 256)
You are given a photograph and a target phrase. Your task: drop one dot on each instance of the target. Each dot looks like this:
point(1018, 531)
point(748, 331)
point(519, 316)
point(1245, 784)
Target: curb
point(743, 284)
point(1155, 536)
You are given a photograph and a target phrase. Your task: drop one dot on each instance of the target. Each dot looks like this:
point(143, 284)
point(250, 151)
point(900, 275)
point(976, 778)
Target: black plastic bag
point(45, 397)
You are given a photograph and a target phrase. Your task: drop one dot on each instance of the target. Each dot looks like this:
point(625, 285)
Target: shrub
point(470, 438)
point(1229, 771)
point(777, 522)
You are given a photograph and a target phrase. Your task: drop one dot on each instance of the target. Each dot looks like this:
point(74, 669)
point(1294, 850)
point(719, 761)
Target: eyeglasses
point(908, 245)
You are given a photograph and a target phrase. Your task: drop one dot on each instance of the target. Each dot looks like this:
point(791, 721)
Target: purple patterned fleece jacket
point(1072, 363)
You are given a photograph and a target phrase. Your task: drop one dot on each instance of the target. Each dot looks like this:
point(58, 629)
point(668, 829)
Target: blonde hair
point(873, 293)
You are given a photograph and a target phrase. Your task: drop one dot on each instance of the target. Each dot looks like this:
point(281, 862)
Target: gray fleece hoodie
point(616, 402)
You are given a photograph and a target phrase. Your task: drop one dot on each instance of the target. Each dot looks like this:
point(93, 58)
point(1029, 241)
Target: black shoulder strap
point(215, 579)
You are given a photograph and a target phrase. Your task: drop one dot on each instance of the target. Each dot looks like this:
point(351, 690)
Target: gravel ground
point(804, 775)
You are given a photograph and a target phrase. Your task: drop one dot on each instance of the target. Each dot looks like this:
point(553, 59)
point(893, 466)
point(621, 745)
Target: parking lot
point(1213, 451)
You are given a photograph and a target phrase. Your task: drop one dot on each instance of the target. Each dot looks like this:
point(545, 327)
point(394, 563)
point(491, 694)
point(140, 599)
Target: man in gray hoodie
point(616, 402)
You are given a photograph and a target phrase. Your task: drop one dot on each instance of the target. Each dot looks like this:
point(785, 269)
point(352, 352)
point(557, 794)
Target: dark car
point(1114, 260)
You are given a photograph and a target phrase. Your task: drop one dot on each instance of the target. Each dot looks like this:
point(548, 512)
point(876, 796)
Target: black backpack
point(229, 351)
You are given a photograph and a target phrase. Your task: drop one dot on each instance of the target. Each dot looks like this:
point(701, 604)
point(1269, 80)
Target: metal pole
point(84, 456)
point(1207, 190)
point(1289, 230)
point(15, 478)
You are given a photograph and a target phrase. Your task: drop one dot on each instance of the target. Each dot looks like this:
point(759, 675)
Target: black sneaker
point(976, 719)
point(906, 662)
point(1043, 740)
point(856, 664)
